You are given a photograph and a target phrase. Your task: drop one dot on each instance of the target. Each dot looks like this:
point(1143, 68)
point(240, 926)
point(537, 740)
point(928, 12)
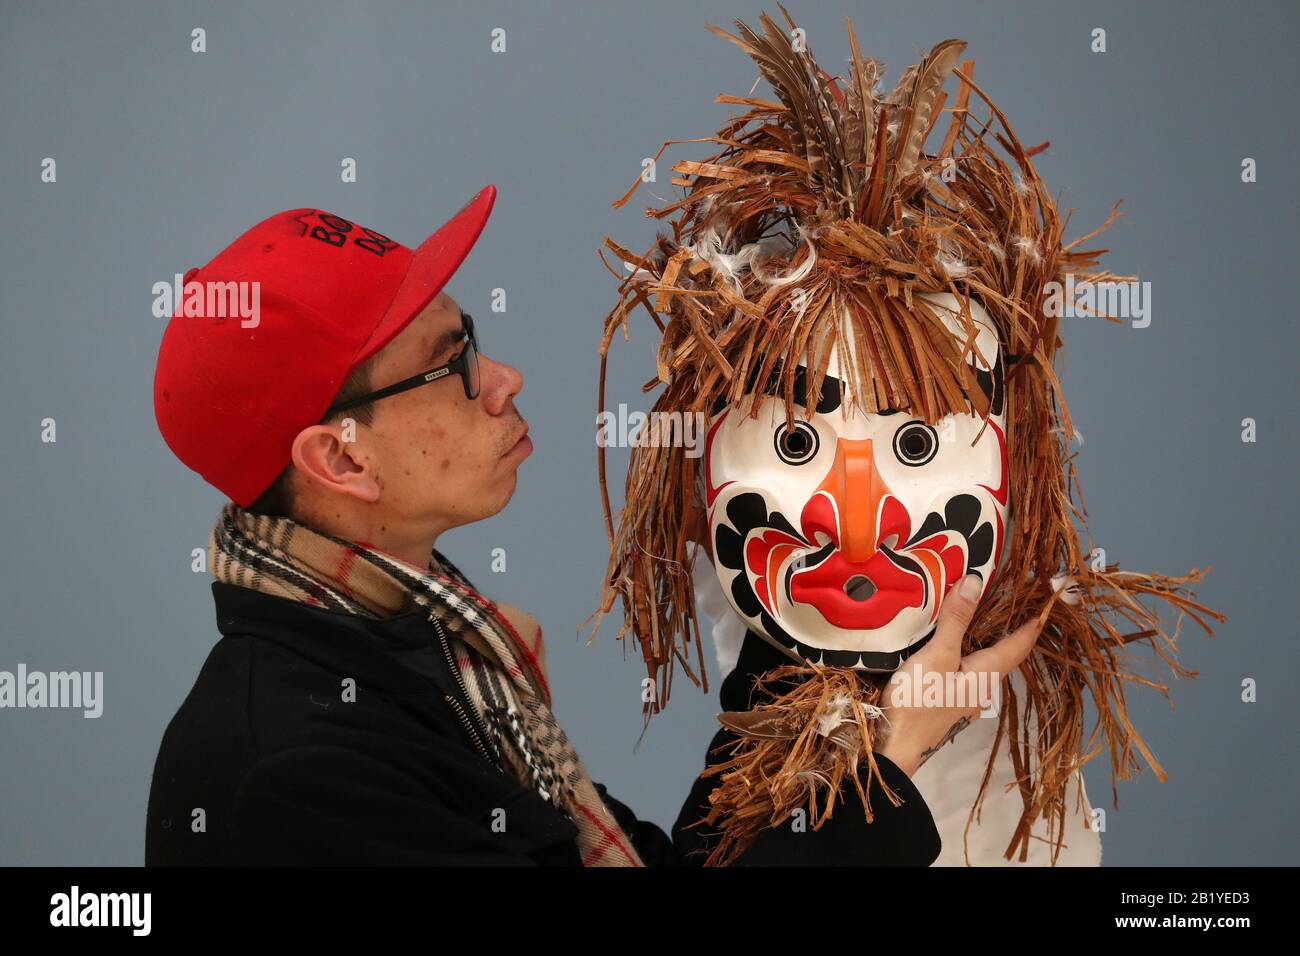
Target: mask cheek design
point(961, 540)
point(765, 553)
point(749, 548)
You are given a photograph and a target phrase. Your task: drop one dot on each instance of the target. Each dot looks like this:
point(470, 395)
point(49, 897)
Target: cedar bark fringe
point(824, 210)
point(807, 743)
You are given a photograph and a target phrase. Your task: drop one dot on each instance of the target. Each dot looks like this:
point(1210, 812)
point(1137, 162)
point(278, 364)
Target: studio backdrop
point(140, 138)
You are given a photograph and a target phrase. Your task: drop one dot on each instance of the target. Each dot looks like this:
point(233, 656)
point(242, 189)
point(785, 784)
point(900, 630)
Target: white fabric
point(950, 780)
point(950, 783)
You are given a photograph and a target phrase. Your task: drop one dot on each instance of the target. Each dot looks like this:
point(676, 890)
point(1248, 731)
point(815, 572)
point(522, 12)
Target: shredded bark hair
point(824, 209)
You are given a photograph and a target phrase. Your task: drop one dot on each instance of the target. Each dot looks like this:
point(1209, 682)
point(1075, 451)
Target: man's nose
point(857, 489)
point(500, 383)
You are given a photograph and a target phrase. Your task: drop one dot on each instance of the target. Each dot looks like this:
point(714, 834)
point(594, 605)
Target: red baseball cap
point(231, 392)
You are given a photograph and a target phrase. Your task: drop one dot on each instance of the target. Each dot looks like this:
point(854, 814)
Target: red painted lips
point(823, 588)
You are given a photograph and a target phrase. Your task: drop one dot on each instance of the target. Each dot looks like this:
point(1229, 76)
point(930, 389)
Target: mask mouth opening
point(860, 587)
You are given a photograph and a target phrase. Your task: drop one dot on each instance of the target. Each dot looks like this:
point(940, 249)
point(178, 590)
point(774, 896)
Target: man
point(366, 704)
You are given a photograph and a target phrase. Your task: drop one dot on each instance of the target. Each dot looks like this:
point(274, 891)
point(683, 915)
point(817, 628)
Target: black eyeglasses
point(465, 365)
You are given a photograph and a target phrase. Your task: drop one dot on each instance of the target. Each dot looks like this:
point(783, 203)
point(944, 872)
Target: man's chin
point(505, 491)
point(495, 492)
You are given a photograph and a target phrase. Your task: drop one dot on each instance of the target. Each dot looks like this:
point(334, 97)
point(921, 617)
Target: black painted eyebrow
point(829, 400)
point(832, 390)
point(990, 382)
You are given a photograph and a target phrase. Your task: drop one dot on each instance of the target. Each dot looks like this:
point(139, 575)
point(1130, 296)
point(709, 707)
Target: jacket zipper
point(471, 726)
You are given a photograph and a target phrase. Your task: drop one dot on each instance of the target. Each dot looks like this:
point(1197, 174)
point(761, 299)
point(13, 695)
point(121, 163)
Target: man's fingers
point(956, 612)
point(1008, 653)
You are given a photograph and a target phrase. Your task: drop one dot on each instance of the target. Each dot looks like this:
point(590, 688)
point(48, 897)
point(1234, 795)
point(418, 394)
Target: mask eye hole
point(797, 445)
point(915, 444)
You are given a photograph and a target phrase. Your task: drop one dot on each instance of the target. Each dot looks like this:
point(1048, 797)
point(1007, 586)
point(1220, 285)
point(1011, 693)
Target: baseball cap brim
point(432, 265)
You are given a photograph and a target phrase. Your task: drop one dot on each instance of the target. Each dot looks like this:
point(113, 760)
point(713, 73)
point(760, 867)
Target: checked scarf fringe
point(498, 649)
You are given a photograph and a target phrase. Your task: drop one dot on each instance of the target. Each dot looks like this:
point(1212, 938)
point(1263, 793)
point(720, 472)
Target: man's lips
point(523, 446)
point(887, 589)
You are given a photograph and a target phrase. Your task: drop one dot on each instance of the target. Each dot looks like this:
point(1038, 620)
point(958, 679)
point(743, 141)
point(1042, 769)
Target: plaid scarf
point(497, 648)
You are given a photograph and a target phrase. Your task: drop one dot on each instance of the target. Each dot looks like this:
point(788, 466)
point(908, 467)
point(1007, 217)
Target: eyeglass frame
point(460, 365)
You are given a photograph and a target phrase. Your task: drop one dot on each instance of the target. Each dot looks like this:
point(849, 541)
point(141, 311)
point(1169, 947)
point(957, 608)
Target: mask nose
point(856, 488)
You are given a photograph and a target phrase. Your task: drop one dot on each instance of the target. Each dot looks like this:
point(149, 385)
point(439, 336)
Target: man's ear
point(322, 458)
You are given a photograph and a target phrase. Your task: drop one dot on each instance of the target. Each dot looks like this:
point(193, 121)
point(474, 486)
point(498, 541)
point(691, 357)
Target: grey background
point(165, 155)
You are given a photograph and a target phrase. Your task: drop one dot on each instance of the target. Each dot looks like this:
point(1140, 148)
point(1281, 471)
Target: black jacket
point(264, 762)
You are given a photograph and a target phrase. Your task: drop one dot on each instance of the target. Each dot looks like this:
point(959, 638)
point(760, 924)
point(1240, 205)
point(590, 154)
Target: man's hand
point(916, 726)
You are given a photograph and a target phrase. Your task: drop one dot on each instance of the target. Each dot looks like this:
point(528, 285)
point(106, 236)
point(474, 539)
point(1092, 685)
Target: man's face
point(443, 460)
point(839, 537)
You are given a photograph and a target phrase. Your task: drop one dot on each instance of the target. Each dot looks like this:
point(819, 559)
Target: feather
point(756, 723)
point(921, 101)
point(862, 112)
